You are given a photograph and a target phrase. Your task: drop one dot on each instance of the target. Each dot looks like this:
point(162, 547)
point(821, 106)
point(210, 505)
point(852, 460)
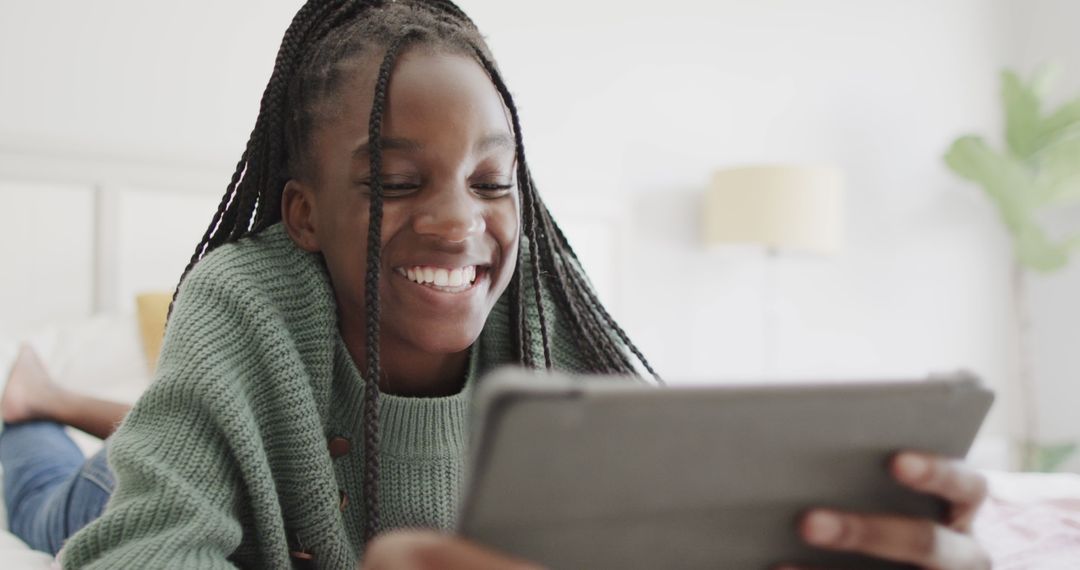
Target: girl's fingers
point(963, 487)
point(914, 541)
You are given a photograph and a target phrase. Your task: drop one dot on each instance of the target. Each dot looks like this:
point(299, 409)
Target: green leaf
point(1039, 169)
point(1048, 458)
point(1005, 180)
point(1036, 252)
point(1044, 79)
point(1022, 120)
point(1067, 192)
point(1058, 167)
point(1062, 123)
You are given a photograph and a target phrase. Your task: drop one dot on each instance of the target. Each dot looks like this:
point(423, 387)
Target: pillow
point(153, 309)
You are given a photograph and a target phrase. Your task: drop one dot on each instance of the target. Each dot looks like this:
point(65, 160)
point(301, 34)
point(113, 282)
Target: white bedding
point(1032, 521)
point(17, 556)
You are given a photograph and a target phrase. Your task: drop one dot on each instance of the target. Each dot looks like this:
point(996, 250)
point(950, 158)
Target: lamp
point(784, 207)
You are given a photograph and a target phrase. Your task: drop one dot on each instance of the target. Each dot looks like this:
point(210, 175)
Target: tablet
point(590, 473)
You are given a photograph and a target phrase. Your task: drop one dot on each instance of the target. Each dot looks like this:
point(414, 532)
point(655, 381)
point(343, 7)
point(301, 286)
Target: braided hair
point(319, 52)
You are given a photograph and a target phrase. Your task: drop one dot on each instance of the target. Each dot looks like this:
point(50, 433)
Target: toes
point(27, 383)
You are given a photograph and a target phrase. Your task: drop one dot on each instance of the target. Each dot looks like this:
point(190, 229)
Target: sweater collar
point(410, 426)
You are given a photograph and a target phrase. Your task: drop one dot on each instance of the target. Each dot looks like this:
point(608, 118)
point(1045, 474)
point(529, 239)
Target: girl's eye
point(483, 189)
point(492, 190)
point(399, 188)
point(394, 189)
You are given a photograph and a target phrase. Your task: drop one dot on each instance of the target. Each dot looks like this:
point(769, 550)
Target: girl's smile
point(443, 279)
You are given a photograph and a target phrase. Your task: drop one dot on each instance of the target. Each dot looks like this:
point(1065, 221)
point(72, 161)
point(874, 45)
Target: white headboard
point(146, 237)
point(84, 236)
point(47, 254)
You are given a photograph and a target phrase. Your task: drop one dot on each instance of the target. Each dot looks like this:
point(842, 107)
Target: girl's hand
point(431, 550)
point(923, 542)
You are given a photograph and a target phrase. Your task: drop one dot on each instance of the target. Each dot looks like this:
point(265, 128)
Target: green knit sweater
point(225, 460)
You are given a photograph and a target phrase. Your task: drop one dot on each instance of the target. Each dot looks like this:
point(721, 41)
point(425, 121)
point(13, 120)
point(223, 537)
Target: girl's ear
point(299, 213)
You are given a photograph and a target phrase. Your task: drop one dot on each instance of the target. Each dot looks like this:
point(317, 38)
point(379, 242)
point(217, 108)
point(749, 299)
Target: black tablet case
point(605, 473)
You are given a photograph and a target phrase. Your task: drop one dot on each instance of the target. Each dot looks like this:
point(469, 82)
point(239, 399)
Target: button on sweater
point(248, 444)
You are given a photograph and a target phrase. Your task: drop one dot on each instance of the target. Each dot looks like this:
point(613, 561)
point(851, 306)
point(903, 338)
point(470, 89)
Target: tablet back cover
point(608, 474)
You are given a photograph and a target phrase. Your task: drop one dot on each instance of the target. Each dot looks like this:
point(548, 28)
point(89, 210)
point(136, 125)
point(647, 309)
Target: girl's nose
point(452, 214)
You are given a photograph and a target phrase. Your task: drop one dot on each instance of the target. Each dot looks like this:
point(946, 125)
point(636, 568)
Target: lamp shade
point(782, 207)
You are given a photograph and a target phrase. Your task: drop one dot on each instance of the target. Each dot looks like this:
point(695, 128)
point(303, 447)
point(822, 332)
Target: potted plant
point(1035, 175)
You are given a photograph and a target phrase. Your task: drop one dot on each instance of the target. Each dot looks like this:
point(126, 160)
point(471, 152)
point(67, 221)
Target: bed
point(91, 237)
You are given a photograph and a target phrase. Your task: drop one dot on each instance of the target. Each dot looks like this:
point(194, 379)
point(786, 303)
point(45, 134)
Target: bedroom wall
point(627, 109)
point(877, 88)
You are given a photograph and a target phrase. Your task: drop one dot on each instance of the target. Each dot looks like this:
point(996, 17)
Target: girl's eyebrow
point(500, 141)
point(388, 143)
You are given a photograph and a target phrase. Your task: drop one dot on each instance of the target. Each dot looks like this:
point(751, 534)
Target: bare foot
point(29, 389)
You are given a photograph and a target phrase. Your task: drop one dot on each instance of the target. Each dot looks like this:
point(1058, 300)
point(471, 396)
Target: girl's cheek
point(507, 219)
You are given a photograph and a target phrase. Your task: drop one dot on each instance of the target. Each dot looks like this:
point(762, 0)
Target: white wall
point(633, 104)
point(177, 83)
point(878, 88)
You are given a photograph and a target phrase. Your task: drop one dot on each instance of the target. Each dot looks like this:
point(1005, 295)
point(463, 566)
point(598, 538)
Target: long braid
point(517, 318)
point(570, 304)
point(580, 301)
point(267, 179)
point(371, 288)
point(530, 228)
point(273, 179)
point(450, 14)
point(200, 250)
point(605, 353)
point(588, 291)
point(226, 213)
point(528, 203)
point(574, 293)
point(241, 188)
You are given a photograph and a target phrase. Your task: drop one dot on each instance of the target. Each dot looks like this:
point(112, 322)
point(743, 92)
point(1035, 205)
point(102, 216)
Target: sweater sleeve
point(180, 454)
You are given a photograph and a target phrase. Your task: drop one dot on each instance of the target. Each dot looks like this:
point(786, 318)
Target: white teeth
point(440, 276)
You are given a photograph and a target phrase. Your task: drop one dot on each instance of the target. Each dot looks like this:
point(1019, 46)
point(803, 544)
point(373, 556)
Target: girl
point(380, 246)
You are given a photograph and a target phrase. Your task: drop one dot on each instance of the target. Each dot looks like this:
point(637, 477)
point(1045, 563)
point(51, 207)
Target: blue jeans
point(50, 489)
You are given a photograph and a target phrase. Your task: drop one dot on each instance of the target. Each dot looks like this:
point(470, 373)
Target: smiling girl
point(380, 246)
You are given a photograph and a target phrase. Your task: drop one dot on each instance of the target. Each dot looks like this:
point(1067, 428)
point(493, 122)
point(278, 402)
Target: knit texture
point(224, 460)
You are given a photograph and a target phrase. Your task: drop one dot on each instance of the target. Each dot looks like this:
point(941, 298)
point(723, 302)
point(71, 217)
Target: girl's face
point(450, 210)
